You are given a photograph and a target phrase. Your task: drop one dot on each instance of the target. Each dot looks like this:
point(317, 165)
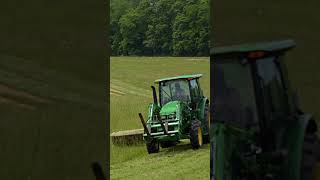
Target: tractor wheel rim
point(200, 136)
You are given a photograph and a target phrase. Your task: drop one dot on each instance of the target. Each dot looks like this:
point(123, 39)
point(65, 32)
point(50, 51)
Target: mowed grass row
point(131, 78)
point(180, 162)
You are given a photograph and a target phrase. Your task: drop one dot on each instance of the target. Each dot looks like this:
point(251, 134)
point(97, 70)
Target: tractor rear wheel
point(310, 157)
point(196, 136)
point(153, 147)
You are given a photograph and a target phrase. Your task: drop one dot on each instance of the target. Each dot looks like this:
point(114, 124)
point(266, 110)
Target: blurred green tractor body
point(181, 113)
point(258, 130)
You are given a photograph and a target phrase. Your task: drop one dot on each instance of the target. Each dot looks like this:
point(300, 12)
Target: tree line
point(159, 27)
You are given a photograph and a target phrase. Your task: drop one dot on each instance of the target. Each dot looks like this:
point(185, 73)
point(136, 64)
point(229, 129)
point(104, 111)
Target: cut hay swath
point(128, 137)
point(116, 92)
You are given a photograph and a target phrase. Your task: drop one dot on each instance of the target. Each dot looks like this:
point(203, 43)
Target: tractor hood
point(170, 108)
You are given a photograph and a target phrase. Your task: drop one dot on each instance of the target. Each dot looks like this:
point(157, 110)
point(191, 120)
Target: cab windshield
point(233, 93)
point(176, 90)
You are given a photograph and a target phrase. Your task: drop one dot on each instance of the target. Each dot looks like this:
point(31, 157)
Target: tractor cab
point(251, 86)
point(258, 129)
point(181, 88)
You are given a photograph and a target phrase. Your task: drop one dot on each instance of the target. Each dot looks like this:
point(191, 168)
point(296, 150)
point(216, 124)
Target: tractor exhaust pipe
point(155, 99)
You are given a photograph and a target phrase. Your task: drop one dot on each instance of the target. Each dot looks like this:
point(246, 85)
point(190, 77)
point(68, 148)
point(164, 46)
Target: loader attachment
point(144, 125)
point(163, 126)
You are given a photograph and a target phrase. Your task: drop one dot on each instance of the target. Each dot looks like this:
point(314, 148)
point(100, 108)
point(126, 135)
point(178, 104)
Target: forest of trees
point(159, 27)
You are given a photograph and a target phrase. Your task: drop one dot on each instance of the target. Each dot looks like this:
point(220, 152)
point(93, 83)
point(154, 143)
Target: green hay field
point(130, 93)
point(52, 89)
point(49, 118)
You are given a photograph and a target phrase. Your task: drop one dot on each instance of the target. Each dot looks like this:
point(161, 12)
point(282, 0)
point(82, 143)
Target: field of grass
point(130, 80)
point(49, 118)
point(52, 89)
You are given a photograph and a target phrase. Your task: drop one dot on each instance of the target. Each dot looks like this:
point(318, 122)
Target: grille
point(168, 117)
point(159, 129)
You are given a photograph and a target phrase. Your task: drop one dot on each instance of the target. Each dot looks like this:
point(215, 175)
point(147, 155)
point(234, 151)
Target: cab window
point(194, 88)
point(233, 93)
point(272, 85)
point(176, 90)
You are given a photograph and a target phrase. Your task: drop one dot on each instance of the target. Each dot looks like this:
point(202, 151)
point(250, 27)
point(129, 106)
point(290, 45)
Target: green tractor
point(258, 129)
point(181, 113)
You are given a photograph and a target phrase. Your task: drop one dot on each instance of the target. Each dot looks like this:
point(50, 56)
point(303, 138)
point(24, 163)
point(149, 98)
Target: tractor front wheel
point(153, 147)
point(196, 137)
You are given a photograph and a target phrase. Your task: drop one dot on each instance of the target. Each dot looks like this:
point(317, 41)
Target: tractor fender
point(151, 109)
point(201, 108)
point(294, 141)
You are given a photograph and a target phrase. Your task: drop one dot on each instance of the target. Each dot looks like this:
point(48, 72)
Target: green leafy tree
point(117, 9)
point(191, 28)
point(159, 33)
point(133, 26)
point(160, 27)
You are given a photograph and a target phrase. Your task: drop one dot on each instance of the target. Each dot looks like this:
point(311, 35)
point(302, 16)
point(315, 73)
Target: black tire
point(196, 137)
point(206, 138)
point(167, 144)
point(310, 156)
point(153, 147)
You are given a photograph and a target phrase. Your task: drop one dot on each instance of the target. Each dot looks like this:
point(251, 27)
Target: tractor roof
point(272, 46)
point(193, 76)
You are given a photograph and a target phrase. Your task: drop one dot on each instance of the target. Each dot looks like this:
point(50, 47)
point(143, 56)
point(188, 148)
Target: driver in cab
point(179, 93)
